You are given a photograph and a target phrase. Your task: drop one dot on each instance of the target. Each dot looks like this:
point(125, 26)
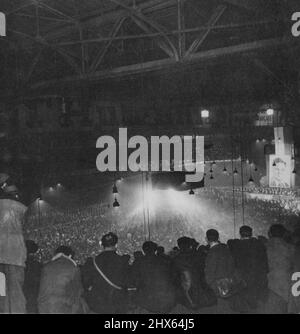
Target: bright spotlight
point(151, 198)
point(270, 112)
point(205, 113)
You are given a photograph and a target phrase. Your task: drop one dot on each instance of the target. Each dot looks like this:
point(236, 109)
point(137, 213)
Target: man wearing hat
point(3, 179)
point(12, 246)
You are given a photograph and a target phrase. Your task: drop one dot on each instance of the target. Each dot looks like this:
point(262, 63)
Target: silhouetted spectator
point(153, 278)
point(280, 258)
point(137, 256)
point(61, 288)
point(219, 262)
point(251, 262)
point(174, 252)
point(106, 278)
point(193, 291)
point(219, 267)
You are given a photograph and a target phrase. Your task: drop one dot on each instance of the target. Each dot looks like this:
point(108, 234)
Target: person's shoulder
point(220, 247)
point(16, 205)
point(258, 243)
point(47, 266)
point(108, 256)
point(62, 262)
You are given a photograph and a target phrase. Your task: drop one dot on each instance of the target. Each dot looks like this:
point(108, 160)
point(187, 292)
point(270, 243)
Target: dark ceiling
point(62, 43)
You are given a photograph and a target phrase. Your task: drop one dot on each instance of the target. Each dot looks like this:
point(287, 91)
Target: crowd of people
point(90, 263)
point(82, 227)
point(246, 275)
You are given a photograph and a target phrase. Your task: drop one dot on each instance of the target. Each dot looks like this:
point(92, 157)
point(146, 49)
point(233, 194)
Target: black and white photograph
point(149, 159)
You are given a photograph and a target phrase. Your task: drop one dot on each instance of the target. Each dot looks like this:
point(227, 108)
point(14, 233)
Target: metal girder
point(102, 52)
point(211, 23)
point(173, 32)
point(57, 12)
point(83, 52)
point(159, 40)
point(248, 4)
point(70, 60)
point(109, 16)
point(25, 4)
point(45, 18)
point(181, 27)
point(170, 62)
point(33, 65)
point(137, 14)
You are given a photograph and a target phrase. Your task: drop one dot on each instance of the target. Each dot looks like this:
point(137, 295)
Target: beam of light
point(190, 215)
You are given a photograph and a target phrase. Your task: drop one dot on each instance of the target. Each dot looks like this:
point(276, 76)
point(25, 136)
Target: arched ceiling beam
point(138, 15)
point(102, 52)
point(168, 63)
point(70, 60)
point(211, 23)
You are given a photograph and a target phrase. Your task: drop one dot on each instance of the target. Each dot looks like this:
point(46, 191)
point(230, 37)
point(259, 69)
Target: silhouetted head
point(3, 179)
point(246, 232)
point(137, 255)
point(149, 248)
point(109, 240)
point(184, 243)
point(194, 244)
point(160, 250)
point(212, 236)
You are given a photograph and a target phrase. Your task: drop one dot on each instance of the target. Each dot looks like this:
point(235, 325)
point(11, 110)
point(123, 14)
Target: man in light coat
point(12, 248)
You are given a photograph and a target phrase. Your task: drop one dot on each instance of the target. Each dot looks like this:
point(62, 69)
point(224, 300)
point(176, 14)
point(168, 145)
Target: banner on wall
point(280, 165)
point(280, 171)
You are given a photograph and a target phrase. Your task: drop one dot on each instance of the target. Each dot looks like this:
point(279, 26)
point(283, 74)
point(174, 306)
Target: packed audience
point(81, 228)
point(90, 263)
point(246, 275)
